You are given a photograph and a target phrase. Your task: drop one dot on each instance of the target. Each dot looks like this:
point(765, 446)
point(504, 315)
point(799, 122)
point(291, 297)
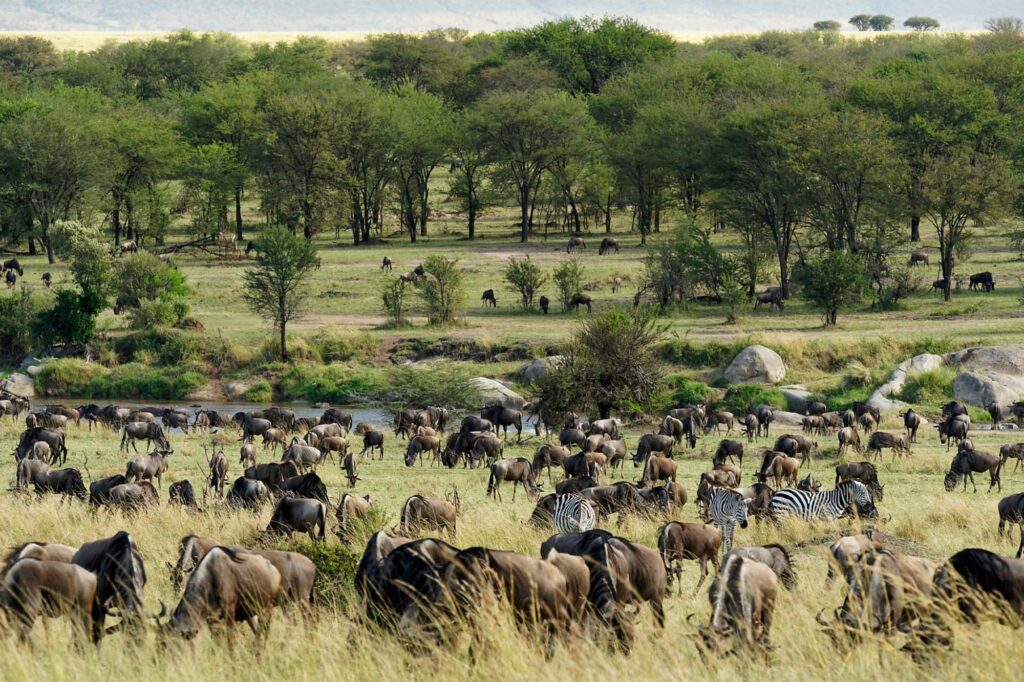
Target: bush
point(843, 397)
point(703, 356)
point(568, 278)
point(158, 313)
point(260, 392)
point(335, 570)
point(299, 350)
point(444, 386)
point(338, 383)
point(442, 290)
point(88, 380)
point(929, 388)
point(741, 397)
point(691, 393)
point(393, 296)
point(169, 347)
point(526, 278)
point(333, 348)
point(67, 377)
point(17, 312)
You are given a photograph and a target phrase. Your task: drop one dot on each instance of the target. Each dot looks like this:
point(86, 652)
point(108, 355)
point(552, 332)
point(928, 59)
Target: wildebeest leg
point(1020, 547)
point(703, 575)
point(970, 474)
point(659, 611)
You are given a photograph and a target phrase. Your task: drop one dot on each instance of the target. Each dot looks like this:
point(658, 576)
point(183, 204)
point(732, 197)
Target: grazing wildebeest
point(717, 419)
point(775, 557)
point(64, 482)
point(146, 431)
point(99, 490)
point(651, 443)
point(422, 513)
point(751, 427)
point(34, 588)
point(692, 542)
point(911, 422)
point(299, 514)
point(575, 243)
point(606, 427)
point(218, 465)
point(503, 417)
point(133, 497)
point(420, 444)
point(967, 462)
point(765, 416)
point(41, 551)
point(374, 440)
point(549, 456)
point(488, 299)
point(255, 426)
point(657, 469)
point(38, 434)
point(622, 574)
point(229, 585)
point(579, 465)
point(487, 445)
point(273, 438)
point(771, 298)
point(916, 257)
point(306, 485)
point(982, 280)
point(972, 580)
point(581, 299)
point(272, 473)
point(952, 430)
point(608, 244)
point(247, 454)
point(614, 452)
point(120, 578)
point(881, 440)
point(848, 436)
point(148, 467)
point(864, 472)
point(616, 284)
point(181, 494)
point(621, 497)
point(1011, 510)
point(781, 467)
point(386, 264)
point(333, 415)
point(395, 574)
point(350, 508)
point(794, 444)
point(304, 456)
point(471, 422)
point(14, 266)
point(247, 492)
point(28, 470)
point(11, 279)
point(572, 436)
point(575, 485)
point(1014, 450)
point(742, 600)
point(728, 449)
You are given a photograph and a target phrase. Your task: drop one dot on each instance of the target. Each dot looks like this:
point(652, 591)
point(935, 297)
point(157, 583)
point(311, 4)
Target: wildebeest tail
point(403, 520)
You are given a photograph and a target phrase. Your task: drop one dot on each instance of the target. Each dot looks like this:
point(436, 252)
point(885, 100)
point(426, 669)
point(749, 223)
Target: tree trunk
point(784, 273)
point(524, 208)
point(472, 221)
point(238, 215)
point(284, 342)
point(604, 410)
point(915, 228)
point(608, 216)
point(307, 220)
point(115, 221)
point(44, 237)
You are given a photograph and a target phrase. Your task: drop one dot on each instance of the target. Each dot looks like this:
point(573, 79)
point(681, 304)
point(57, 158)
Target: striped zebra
point(573, 514)
point(727, 509)
point(830, 504)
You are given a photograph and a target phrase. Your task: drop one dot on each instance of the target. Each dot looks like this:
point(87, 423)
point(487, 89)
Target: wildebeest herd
point(584, 580)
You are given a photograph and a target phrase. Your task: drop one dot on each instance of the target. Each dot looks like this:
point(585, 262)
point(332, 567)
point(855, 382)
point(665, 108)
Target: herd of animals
point(585, 580)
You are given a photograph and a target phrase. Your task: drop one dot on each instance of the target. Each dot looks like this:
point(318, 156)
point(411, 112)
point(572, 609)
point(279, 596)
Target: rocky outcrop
point(755, 365)
point(20, 385)
point(235, 390)
point(883, 397)
point(982, 390)
point(797, 397)
point(493, 391)
point(1006, 360)
point(533, 371)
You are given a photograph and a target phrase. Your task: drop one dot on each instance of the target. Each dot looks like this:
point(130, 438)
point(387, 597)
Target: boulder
point(20, 385)
point(532, 371)
point(797, 397)
point(205, 393)
point(235, 390)
point(493, 391)
point(982, 390)
point(1008, 359)
point(782, 418)
point(883, 399)
point(755, 365)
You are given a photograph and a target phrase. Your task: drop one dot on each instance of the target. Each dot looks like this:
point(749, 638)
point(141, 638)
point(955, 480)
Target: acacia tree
point(442, 290)
point(469, 166)
point(364, 144)
point(275, 287)
point(833, 281)
point(526, 278)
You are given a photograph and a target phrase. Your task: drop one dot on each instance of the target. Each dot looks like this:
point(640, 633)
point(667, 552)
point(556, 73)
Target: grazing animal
point(34, 588)
point(608, 244)
point(373, 440)
point(148, 467)
point(350, 508)
point(679, 542)
point(420, 444)
point(549, 456)
point(848, 437)
point(742, 600)
point(651, 443)
point(272, 474)
point(573, 513)
point(120, 578)
point(518, 471)
point(147, 431)
point(218, 472)
point(64, 482)
point(1015, 450)
point(917, 257)
point(728, 449)
point(489, 299)
point(794, 444)
point(299, 514)
point(1011, 510)
point(772, 298)
point(765, 416)
point(809, 484)
point(575, 243)
point(11, 279)
point(133, 497)
point(544, 304)
point(781, 467)
point(775, 557)
point(911, 422)
point(847, 496)
point(881, 440)
point(616, 284)
point(657, 469)
point(306, 485)
point(422, 513)
point(247, 454)
point(953, 430)
point(865, 472)
point(395, 575)
point(249, 493)
point(503, 417)
point(751, 427)
point(386, 264)
point(621, 498)
point(581, 299)
point(575, 485)
point(727, 509)
point(967, 462)
point(181, 494)
point(982, 280)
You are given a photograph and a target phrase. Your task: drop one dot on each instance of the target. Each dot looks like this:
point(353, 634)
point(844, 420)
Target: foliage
point(691, 393)
point(18, 310)
point(739, 398)
point(70, 322)
point(339, 384)
point(159, 287)
point(928, 388)
point(442, 289)
point(261, 392)
point(275, 287)
point(921, 23)
point(393, 296)
point(827, 25)
point(133, 380)
point(702, 356)
point(833, 281)
point(169, 347)
point(526, 278)
point(568, 277)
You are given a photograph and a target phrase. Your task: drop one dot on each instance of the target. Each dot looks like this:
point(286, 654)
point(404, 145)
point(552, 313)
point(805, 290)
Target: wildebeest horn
point(163, 611)
point(689, 617)
point(888, 518)
point(821, 619)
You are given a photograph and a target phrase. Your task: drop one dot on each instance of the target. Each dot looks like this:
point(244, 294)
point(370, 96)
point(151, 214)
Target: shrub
point(691, 393)
point(931, 387)
point(338, 383)
point(335, 570)
point(260, 392)
point(843, 397)
point(333, 348)
point(526, 278)
point(67, 377)
point(299, 350)
point(444, 386)
point(169, 347)
point(88, 380)
point(17, 312)
point(568, 278)
point(442, 290)
point(393, 296)
point(741, 397)
point(707, 355)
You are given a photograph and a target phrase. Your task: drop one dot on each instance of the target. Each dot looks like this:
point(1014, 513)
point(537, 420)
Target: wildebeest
point(1011, 510)
point(132, 497)
point(420, 444)
point(272, 474)
point(120, 578)
point(306, 485)
point(549, 456)
point(772, 298)
point(916, 257)
point(517, 471)
point(386, 264)
point(728, 449)
point(572, 436)
point(27, 471)
point(847, 437)
point(953, 430)
point(622, 574)
point(574, 485)
point(864, 472)
point(99, 490)
point(657, 469)
point(781, 467)
point(146, 431)
point(881, 440)
point(422, 513)
point(38, 434)
point(333, 415)
point(473, 423)
point(982, 280)
point(502, 418)
point(608, 244)
point(575, 243)
point(742, 600)
point(229, 586)
point(396, 575)
point(218, 465)
point(303, 456)
point(43, 551)
point(181, 494)
point(751, 427)
point(374, 440)
point(1014, 450)
point(967, 462)
point(247, 454)
point(148, 467)
point(775, 557)
point(33, 588)
point(544, 304)
point(254, 426)
point(487, 445)
point(489, 299)
point(581, 299)
point(11, 279)
point(795, 444)
point(911, 422)
point(13, 265)
point(248, 492)
point(350, 508)
point(688, 541)
point(651, 443)
point(64, 482)
point(299, 514)
point(621, 497)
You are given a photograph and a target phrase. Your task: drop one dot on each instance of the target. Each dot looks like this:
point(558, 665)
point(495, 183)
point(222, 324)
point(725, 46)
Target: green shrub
point(158, 313)
point(169, 347)
point(89, 380)
point(706, 355)
point(338, 383)
point(17, 312)
point(333, 348)
point(844, 396)
point(260, 392)
point(67, 377)
point(741, 397)
point(931, 387)
point(335, 571)
point(299, 350)
point(691, 393)
point(445, 386)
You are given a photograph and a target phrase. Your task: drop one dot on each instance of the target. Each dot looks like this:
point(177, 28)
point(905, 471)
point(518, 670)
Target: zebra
point(573, 514)
point(727, 508)
point(830, 504)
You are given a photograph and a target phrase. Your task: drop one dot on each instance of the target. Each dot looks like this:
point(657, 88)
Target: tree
point(665, 268)
point(568, 278)
point(612, 361)
point(275, 287)
point(862, 22)
point(211, 173)
point(827, 25)
point(442, 290)
point(393, 296)
point(1005, 25)
point(158, 287)
point(27, 55)
point(959, 189)
point(921, 24)
point(833, 281)
point(881, 22)
point(526, 278)
point(469, 166)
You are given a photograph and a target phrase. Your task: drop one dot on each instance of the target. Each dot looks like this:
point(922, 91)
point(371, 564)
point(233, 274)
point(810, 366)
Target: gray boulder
point(883, 396)
point(20, 385)
point(982, 390)
point(493, 391)
point(235, 390)
point(797, 397)
point(787, 419)
point(755, 365)
point(532, 371)
point(1007, 359)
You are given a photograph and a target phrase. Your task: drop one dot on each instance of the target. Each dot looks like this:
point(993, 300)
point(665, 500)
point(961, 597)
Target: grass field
point(925, 520)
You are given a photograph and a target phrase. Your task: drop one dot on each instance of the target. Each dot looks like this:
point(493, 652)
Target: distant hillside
point(420, 15)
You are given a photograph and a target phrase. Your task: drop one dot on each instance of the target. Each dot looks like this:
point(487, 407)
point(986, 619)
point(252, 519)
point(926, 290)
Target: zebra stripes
point(727, 509)
point(573, 514)
point(830, 504)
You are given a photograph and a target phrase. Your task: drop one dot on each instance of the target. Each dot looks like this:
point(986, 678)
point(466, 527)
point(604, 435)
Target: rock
point(755, 365)
point(321, 406)
point(980, 389)
point(797, 397)
point(205, 393)
point(34, 370)
point(882, 397)
point(235, 390)
point(20, 385)
point(493, 391)
point(783, 418)
point(30, 361)
point(1008, 359)
point(532, 371)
